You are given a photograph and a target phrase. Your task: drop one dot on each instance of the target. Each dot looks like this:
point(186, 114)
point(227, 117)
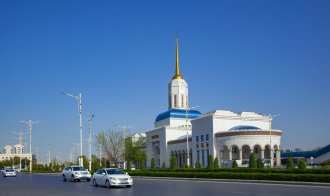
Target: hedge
point(244, 176)
point(245, 170)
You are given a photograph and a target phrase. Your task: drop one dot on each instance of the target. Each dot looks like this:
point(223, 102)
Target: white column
point(230, 155)
point(278, 157)
point(262, 151)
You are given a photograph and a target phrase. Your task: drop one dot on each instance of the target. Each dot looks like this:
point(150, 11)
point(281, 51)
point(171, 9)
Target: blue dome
point(176, 113)
point(244, 127)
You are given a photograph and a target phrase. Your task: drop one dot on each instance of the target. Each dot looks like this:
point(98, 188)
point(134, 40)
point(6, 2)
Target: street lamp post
point(270, 139)
point(29, 124)
point(78, 99)
point(90, 142)
point(187, 108)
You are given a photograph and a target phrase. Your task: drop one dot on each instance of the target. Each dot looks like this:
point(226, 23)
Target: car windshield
point(115, 171)
point(78, 169)
point(9, 170)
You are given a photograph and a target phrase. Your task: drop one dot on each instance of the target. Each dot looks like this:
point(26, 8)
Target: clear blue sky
point(262, 56)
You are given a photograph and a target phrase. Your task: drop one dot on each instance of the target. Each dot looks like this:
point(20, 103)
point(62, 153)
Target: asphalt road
point(48, 185)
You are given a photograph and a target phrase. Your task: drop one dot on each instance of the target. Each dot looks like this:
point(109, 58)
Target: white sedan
point(112, 177)
point(9, 172)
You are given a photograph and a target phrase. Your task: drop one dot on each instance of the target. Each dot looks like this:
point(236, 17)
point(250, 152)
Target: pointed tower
point(178, 87)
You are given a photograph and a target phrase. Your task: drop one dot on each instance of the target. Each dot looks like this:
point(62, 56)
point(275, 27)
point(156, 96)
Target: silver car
point(112, 177)
point(9, 172)
point(76, 173)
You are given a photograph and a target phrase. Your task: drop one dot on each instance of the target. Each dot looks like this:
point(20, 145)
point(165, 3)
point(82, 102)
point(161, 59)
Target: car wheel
point(107, 184)
point(88, 180)
point(64, 178)
point(94, 183)
point(128, 186)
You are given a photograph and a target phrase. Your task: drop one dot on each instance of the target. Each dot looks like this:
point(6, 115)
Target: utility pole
point(49, 145)
point(20, 149)
point(29, 124)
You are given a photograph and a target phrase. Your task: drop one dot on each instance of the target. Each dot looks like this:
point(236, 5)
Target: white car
point(8, 172)
point(112, 177)
point(76, 173)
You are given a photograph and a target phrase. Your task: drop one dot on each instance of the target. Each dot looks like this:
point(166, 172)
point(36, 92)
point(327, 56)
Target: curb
point(242, 181)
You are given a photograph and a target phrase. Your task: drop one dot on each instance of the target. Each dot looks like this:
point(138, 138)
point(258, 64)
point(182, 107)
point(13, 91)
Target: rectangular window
point(182, 101)
point(175, 100)
point(198, 156)
point(207, 137)
point(202, 138)
point(207, 155)
point(203, 159)
point(197, 139)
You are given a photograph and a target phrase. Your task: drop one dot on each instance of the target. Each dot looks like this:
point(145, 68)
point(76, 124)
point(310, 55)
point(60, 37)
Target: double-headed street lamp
point(187, 108)
point(78, 99)
point(29, 124)
point(90, 142)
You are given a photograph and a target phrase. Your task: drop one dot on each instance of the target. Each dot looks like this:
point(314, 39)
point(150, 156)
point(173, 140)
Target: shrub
point(252, 161)
point(216, 163)
point(301, 164)
point(153, 163)
point(173, 162)
point(198, 165)
point(260, 164)
point(290, 163)
point(234, 165)
point(236, 175)
point(210, 163)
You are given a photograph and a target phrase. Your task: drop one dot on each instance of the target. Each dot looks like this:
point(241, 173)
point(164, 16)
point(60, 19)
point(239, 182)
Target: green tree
point(112, 145)
point(135, 150)
point(153, 163)
point(234, 165)
point(302, 164)
point(163, 165)
point(216, 163)
point(290, 163)
point(260, 164)
point(173, 162)
point(324, 165)
point(252, 161)
point(210, 164)
point(198, 165)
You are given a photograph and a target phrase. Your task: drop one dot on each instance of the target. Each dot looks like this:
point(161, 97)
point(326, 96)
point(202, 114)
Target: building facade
point(191, 137)
point(9, 152)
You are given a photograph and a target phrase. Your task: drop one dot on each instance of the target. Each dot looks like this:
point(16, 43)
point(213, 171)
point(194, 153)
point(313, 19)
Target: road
point(51, 185)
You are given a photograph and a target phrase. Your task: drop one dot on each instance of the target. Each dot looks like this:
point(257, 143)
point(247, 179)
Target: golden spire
point(177, 66)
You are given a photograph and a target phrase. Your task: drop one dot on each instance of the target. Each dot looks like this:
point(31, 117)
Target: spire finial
point(177, 65)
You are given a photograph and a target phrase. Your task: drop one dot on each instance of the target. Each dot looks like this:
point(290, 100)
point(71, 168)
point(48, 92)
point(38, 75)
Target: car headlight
point(130, 178)
point(76, 173)
point(113, 178)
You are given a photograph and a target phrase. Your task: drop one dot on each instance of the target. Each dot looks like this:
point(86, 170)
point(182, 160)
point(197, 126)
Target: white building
point(10, 152)
point(223, 134)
